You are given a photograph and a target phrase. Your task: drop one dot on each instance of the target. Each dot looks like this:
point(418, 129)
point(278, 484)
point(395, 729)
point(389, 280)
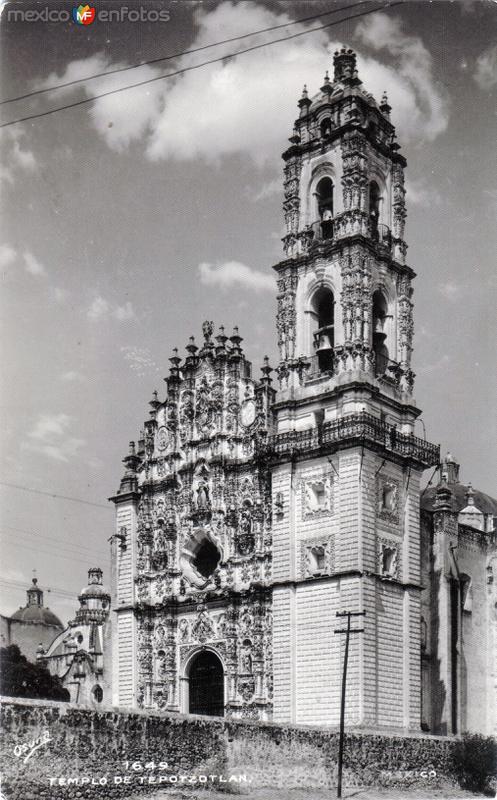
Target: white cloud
point(24, 158)
point(246, 105)
point(59, 295)
point(419, 193)
point(14, 154)
point(49, 437)
point(6, 175)
point(49, 425)
point(72, 376)
point(7, 255)
point(140, 360)
point(33, 266)
point(419, 108)
point(233, 273)
point(436, 366)
point(123, 313)
point(485, 73)
point(268, 190)
point(450, 290)
point(100, 308)
point(123, 117)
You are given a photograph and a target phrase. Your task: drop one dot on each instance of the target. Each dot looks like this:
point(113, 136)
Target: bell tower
point(347, 463)
point(345, 308)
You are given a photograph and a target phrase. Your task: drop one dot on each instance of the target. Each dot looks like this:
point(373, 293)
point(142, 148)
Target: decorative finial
point(221, 337)
point(266, 371)
point(304, 101)
point(175, 360)
point(470, 495)
point(344, 63)
point(327, 88)
point(207, 329)
point(385, 107)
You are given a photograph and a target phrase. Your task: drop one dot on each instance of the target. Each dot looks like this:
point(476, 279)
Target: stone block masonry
point(57, 751)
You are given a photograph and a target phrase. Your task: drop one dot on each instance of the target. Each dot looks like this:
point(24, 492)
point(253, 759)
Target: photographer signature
point(28, 748)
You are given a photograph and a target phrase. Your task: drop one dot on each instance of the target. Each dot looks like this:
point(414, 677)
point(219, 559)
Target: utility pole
point(348, 630)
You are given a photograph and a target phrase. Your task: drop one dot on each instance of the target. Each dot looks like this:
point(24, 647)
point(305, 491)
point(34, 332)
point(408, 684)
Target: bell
point(322, 342)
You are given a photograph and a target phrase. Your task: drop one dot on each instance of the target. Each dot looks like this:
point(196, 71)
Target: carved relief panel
point(317, 498)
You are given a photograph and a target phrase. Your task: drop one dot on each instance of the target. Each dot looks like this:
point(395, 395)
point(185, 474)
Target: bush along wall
point(58, 751)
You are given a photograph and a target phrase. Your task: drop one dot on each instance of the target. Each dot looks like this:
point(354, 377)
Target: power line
point(197, 66)
point(54, 590)
point(181, 53)
point(52, 538)
point(55, 546)
point(54, 553)
point(52, 494)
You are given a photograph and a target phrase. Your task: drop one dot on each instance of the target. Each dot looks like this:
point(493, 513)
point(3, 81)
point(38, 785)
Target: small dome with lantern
point(35, 612)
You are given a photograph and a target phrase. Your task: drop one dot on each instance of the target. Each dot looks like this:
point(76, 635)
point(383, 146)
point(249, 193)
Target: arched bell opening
point(374, 208)
point(323, 312)
point(325, 128)
point(324, 198)
point(380, 316)
point(205, 684)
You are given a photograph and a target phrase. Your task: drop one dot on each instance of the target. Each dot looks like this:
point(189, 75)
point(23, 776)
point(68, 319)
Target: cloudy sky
point(130, 219)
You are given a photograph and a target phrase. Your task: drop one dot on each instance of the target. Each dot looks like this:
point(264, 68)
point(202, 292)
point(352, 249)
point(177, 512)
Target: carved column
point(399, 212)
point(286, 316)
point(291, 204)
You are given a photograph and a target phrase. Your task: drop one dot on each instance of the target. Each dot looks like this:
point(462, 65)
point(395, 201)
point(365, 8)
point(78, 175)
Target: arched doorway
point(206, 685)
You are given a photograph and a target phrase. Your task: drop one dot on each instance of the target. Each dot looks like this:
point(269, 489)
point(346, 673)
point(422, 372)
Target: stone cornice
point(327, 247)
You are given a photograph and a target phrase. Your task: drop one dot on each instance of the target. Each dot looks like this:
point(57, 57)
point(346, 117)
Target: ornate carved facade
point(249, 515)
point(202, 494)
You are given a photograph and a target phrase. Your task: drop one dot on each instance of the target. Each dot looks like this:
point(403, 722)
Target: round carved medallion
point(247, 413)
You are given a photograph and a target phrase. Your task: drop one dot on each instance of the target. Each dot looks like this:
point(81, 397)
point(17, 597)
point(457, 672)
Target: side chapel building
point(80, 654)
point(253, 509)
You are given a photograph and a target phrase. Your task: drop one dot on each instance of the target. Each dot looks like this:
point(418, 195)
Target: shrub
point(475, 761)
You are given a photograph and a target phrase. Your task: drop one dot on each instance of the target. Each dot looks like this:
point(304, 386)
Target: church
point(255, 507)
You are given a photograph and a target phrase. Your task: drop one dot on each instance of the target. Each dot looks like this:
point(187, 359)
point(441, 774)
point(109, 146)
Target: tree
point(20, 678)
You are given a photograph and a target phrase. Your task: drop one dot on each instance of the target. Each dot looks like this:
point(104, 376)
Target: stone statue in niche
point(161, 698)
point(203, 410)
point(202, 495)
point(160, 540)
point(217, 393)
point(184, 630)
point(245, 537)
point(246, 657)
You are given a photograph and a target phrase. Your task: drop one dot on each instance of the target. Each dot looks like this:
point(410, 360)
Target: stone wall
point(82, 753)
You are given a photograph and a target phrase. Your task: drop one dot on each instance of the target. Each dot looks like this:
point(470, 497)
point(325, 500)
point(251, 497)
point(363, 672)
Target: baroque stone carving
point(317, 556)
point(317, 496)
point(388, 558)
point(387, 499)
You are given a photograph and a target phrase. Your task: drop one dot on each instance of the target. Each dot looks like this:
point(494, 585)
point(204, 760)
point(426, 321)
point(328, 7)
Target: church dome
point(95, 588)
point(475, 508)
point(38, 615)
point(482, 502)
point(34, 611)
